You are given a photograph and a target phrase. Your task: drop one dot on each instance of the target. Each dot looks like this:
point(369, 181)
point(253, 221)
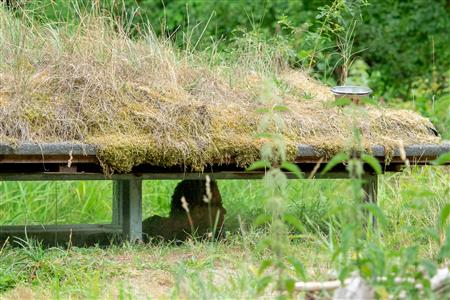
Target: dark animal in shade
point(205, 216)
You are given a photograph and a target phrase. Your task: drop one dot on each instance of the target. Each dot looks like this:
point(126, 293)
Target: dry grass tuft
point(143, 101)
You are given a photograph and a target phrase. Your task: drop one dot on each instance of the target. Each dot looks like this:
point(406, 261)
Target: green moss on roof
point(142, 101)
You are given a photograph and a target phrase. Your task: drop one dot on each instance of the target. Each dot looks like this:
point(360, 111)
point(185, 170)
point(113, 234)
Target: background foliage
point(405, 42)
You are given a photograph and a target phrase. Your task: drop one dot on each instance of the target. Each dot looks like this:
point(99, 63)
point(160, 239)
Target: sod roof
point(142, 101)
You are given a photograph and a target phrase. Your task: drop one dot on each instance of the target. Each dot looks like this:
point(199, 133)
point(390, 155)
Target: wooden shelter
point(65, 161)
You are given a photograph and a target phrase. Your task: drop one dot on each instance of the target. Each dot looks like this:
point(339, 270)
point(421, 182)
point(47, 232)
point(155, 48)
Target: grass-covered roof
point(143, 101)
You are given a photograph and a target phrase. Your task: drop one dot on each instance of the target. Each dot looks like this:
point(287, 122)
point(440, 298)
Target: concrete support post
point(127, 208)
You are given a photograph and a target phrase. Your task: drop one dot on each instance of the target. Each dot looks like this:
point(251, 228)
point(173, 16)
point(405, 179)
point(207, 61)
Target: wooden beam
point(87, 228)
point(48, 159)
point(305, 153)
point(48, 149)
point(51, 176)
point(67, 234)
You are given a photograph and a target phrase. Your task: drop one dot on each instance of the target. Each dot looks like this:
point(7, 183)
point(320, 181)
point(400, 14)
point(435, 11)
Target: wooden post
point(127, 208)
point(370, 188)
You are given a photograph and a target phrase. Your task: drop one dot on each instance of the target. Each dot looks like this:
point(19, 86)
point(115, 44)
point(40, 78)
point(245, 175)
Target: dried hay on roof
point(143, 102)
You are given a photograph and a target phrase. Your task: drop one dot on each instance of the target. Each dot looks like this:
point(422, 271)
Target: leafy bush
point(406, 41)
point(403, 43)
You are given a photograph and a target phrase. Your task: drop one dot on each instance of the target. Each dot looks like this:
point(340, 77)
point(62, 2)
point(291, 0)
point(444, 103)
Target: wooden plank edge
point(78, 149)
point(156, 176)
point(62, 228)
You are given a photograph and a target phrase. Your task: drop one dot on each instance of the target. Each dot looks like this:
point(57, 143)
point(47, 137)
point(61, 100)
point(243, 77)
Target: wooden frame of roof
point(66, 161)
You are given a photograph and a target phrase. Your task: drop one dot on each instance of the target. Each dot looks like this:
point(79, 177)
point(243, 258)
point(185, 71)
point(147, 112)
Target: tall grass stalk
point(273, 159)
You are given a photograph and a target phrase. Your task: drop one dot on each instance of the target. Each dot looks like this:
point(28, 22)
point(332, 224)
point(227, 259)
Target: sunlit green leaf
point(264, 265)
point(289, 285)
point(369, 100)
point(293, 168)
point(262, 110)
point(303, 54)
point(373, 162)
point(280, 108)
point(337, 159)
point(442, 159)
point(298, 267)
point(443, 216)
point(365, 269)
point(258, 165)
point(342, 102)
point(265, 135)
point(263, 283)
point(262, 219)
point(295, 222)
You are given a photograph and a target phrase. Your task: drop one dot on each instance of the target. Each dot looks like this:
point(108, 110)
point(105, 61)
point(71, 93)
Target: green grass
point(51, 202)
point(225, 269)
point(90, 202)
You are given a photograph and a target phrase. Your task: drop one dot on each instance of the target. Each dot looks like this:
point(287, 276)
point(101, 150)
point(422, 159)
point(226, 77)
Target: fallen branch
point(353, 286)
point(314, 286)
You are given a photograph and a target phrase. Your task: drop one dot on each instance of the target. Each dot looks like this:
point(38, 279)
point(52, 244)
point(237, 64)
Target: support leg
point(117, 203)
point(370, 188)
point(127, 208)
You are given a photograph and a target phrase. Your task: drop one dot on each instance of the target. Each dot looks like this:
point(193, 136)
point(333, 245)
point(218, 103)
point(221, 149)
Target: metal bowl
point(350, 90)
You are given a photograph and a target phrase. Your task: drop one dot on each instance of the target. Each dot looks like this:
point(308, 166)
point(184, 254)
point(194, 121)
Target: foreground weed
point(273, 160)
point(397, 273)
